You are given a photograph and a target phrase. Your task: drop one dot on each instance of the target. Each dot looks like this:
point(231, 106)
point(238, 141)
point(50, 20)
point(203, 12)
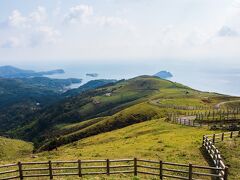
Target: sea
point(209, 77)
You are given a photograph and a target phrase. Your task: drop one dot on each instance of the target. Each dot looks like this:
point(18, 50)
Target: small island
point(163, 75)
point(92, 74)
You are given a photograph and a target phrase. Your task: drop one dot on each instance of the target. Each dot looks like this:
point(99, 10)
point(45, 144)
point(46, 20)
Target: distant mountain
point(163, 74)
point(13, 72)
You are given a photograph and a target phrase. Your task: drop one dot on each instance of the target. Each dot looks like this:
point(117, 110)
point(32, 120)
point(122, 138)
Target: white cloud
point(79, 13)
point(85, 14)
point(111, 21)
point(38, 16)
point(30, 31)
point(57, 11)
point(99, 31)
point(17, 20)
point(44, 35)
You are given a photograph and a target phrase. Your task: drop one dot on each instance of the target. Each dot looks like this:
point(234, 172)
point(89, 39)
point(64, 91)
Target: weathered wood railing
point(194, 108)
point(222, 136)
point(192, 121)
point(134, 167)
point(209, 144)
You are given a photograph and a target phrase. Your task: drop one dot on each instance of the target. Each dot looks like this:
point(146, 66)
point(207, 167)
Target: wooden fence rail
point(191, 120)
point(79, 168)
point(209, 142)
point(222, 136)
point(209, 145)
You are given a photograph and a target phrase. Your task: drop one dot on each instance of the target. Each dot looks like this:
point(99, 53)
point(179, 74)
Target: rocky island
point(163, 75)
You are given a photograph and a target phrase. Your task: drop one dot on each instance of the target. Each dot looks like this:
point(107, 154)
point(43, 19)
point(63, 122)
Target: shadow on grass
point(209, 160)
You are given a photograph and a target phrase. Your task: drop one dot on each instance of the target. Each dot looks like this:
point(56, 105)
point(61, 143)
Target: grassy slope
point(94, 104)
point(230, 151)
point(11, 149)
point(134, 114)
point(167, 92)
point(155, 139)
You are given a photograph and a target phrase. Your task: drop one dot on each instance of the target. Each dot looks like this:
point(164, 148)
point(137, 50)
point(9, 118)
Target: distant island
point(92, 74)
point(13, 72)
point(163, 75)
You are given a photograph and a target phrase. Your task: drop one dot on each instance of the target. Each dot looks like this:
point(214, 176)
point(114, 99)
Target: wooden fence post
point(50, 170)
point(190, 172)
point(226, 173)
point(79, 168)
point(214, 138)
point(203, 140)
point(222, 136)
point(108, 167)
point(231, 135)
point(161, 170)
point(135, 166)
point(20, 170)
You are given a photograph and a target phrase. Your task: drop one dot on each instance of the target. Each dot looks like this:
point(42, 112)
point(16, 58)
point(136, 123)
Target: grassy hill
point(108, 108)
point(11, 149)
point(134, 114)
point(125, 119)
point(154, 139)
point(99, 102)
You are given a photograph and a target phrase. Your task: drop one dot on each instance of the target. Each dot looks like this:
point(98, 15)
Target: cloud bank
point(122, 30)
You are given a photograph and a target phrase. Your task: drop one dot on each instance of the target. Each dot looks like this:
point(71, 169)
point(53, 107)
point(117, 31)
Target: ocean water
point(220, 79)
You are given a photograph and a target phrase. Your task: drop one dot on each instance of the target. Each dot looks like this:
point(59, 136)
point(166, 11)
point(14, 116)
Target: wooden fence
point(209, 144)
point(233, 114)
point(193, 120)
point(134, 167)
point(194, 108)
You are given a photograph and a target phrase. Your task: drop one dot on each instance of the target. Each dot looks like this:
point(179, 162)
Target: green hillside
point(100, 102)
point(11, 149)
point(125, 119)
point(154, 139)
point(108, 108)
point(131, 115)
point(20, 97)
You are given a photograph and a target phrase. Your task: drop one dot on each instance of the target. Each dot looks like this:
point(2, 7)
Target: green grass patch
point(11, 149)
point(230, 151)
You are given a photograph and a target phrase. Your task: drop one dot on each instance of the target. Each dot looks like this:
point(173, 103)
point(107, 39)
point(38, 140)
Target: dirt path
point(225, 102)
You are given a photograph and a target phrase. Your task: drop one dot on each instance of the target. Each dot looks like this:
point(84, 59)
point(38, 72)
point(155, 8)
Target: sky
point(80, 31)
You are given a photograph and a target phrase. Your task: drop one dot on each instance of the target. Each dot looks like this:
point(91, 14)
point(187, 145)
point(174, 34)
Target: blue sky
point(43, 31)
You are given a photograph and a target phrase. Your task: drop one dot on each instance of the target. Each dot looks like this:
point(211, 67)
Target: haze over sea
point(221, 78)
